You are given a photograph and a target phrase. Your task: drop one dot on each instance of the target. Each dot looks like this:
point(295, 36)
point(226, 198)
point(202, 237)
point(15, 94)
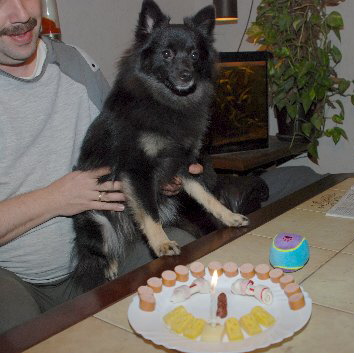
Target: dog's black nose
point(185, 76)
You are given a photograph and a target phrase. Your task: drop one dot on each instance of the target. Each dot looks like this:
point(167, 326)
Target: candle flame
point(214, 280)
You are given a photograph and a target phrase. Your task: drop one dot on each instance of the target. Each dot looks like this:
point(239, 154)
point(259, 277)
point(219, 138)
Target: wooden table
point(245, 161)
point(71, 327)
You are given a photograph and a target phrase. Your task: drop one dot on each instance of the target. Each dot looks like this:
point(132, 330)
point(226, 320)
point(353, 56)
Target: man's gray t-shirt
point(42, 124)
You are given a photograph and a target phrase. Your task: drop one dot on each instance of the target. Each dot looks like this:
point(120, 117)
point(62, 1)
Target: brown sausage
point(221, 310)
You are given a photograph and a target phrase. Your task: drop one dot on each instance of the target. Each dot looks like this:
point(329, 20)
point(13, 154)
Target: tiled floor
point(327, 277)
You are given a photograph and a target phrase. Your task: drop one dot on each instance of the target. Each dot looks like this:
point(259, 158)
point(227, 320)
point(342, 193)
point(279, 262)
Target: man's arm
point(74, 193)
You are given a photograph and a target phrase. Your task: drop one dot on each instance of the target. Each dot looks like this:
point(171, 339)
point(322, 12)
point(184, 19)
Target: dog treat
point(202, 284)
point(182, 293)
point(212, 333)
point(197, 269)
point(182, 273)
point(249, 323)
point(263, 294)
point(241, 286)
point(194, 328)
point(286, 279)
point(155, 284)
point(145, 290)
point(291, 289)
point(262, 316)
point(176, 312)
point(221, 310)
point(215, 265)
point(296, 301)
point(276, 274)
point(233, 329)
point(230, 269)
point(247, 287)
point(247, 271)
point(262, 271)
point(169, 278)
point(147, 302)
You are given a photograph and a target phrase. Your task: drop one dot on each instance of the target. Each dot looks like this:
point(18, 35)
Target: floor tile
point(332, 234)
point(322, 202)
point(344, 185)
point(349, 249)
point(95, 336)
point(117, 314)
point(318, 335)
point(333, 284)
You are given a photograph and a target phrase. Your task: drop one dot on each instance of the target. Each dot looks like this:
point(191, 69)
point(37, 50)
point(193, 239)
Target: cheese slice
point(233, 329)
point(249, 323)
point(262, 316)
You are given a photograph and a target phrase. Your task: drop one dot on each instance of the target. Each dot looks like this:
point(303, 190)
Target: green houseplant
point(302, 74)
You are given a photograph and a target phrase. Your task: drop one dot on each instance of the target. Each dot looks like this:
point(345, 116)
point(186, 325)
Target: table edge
point(73, 311)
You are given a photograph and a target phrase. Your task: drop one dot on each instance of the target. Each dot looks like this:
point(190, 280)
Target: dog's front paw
point(236, 220)
point(168, 248)
point(111, 272)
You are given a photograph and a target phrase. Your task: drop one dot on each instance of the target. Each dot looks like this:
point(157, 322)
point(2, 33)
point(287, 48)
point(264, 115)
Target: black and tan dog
point(150, 130)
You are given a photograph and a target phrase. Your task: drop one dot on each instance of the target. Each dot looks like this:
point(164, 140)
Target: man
point(49, 94)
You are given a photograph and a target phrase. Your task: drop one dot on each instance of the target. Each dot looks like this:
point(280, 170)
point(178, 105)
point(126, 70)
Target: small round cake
point(290, 252)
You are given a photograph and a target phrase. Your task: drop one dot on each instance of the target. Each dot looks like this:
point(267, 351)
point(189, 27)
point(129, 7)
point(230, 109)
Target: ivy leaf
point(341, 106)
point(335, 20)
point(352, 99)
point(344, 134)
point(254, 31)
point(337, 33)
point(338, 119)
point(292, 111)
point(317, 121)
point(284, 22)
point(288, 84)
point(306, 129)
point(306, 101)
point(336, 133)
point(320, 92)
point(304, 68)
point(336, 54)
point(313, 152)
point(343, 85)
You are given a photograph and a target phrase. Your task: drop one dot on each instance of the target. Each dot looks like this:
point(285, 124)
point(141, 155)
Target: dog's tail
point(88, 254)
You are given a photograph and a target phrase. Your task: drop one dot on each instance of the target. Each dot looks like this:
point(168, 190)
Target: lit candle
point(214, 281)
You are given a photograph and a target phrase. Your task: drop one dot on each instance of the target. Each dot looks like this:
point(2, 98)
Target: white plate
point(151, 325)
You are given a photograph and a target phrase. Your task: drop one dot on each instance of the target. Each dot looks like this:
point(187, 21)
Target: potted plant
point(304, 85)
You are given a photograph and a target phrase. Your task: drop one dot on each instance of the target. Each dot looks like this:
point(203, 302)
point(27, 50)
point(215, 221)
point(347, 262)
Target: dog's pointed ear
point(204, 20)
point(150, 17)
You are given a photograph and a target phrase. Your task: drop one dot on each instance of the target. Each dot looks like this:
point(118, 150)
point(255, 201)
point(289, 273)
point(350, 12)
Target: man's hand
point(73, 193)
point(79, 191)
point(175, 186)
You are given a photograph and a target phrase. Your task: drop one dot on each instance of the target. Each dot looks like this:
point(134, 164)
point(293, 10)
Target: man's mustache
point(16, 30)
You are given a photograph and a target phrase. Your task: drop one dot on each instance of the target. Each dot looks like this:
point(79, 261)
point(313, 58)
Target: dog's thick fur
point(150, 130)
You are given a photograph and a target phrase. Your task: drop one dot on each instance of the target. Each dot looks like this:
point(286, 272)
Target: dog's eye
point(195, 55)
point(166, 54)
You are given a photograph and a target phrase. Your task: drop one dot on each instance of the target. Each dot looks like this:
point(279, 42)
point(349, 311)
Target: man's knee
point(16, 302)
